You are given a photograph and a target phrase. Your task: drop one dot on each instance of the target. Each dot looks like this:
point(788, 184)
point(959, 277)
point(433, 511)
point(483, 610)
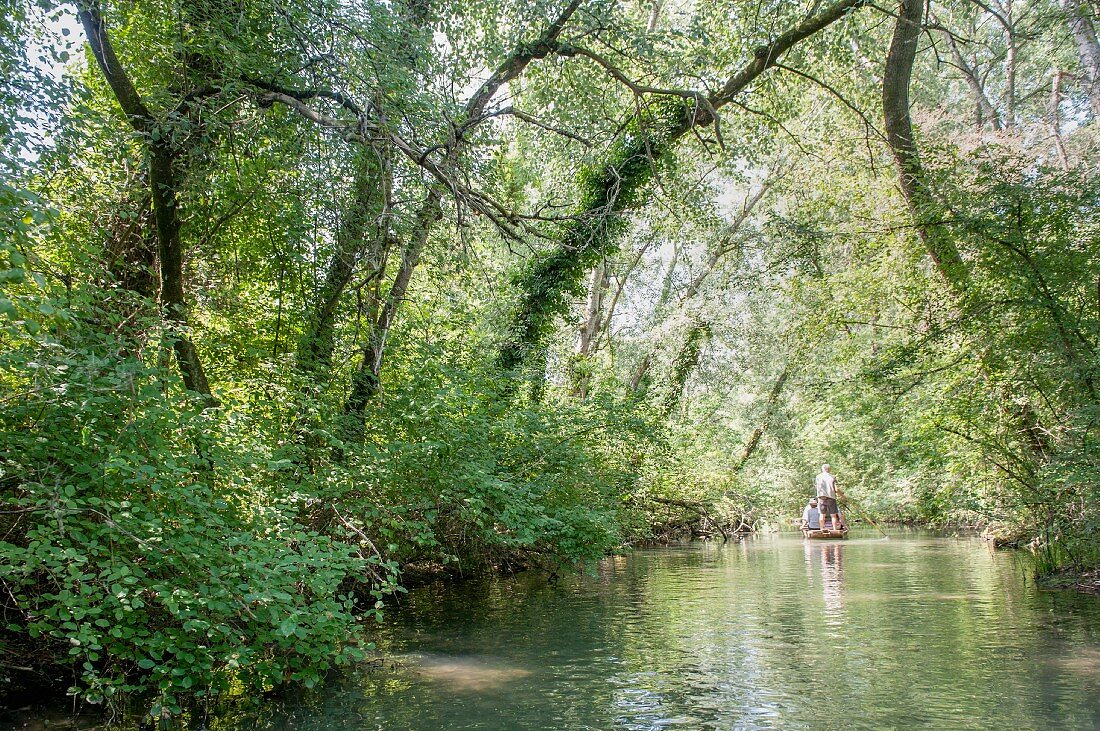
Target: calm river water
point(772, 633)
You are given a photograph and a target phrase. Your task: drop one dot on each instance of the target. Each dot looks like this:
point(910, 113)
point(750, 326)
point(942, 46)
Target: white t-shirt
point(825, 483)
point(811, 516)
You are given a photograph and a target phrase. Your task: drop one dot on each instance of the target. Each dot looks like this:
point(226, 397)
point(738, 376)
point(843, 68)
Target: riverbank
point(449, 578)
point(712, 635)
point(1081, 581)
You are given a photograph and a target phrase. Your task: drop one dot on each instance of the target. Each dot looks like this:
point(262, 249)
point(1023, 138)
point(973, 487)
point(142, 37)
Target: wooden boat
point(826, 535)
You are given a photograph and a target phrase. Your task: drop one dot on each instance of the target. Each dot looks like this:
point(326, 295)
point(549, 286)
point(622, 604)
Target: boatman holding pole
point(825, 485)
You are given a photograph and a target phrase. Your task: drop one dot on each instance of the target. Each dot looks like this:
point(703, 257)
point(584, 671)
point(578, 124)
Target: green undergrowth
point(159, 554)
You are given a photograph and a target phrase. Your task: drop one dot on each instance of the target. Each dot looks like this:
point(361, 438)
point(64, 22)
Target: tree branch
point(91, 17)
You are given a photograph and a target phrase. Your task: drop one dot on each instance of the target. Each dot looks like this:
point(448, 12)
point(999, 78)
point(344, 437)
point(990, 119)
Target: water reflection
point(775, 633)
point(832, 571)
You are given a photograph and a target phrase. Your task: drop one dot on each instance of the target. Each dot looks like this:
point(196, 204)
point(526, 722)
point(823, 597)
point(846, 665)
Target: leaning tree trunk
point(986, 110)
point(769, 411)
point(685, 362)
point(362, 235)
point(366, 381)
point(618, 184)
point(161, 159)
point(726, 244)
point(928, 216)
point(926, 211)
point(365, 234)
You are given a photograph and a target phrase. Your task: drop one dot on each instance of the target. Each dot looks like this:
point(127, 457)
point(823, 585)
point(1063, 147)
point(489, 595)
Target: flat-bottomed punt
point(826, 534)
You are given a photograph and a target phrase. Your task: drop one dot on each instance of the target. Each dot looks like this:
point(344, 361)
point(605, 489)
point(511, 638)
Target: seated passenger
point(811, 516)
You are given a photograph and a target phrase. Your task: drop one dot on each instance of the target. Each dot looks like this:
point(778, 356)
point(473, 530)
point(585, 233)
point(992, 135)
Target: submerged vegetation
point(298, 299)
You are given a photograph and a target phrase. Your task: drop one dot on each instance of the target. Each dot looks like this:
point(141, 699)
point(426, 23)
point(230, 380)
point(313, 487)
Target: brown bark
point(163, 188)
point(925, 209)
point(927, 212)
point(637, 378)
point(363, 235)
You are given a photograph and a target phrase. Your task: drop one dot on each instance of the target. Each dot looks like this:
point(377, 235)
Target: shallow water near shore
point(917, 631)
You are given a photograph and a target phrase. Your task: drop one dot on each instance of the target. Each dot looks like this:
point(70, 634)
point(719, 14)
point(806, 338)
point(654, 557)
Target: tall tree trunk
point(1011, 65)
point(927, 213)
point(590, 327)
point(593, 311)
point(363, 235)
point(1088, 50)
point(686, 361)
point(638, 380)
point(164, 187)
point(925, 209)
point(366, 381)
point(984, 106)
point(654, 15)
point(164, 193)
point(765, 421)
point(1055, 113)
point(726, 244)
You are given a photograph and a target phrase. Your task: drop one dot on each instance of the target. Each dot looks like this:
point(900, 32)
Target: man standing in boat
point(825, 485)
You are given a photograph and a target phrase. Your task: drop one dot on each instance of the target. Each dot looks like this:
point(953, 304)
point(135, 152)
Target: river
point(917, 631)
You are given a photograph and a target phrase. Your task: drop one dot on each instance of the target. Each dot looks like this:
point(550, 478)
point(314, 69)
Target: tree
point(162, 158)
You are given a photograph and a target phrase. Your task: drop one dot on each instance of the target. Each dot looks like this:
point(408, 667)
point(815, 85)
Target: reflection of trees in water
point(829, 556)
point(730, 637)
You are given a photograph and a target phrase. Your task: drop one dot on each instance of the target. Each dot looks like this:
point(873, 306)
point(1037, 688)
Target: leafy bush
point(154, 549)
point(147, 546)
point(453, 475)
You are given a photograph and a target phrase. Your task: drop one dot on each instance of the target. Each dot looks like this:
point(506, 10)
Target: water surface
point(917, 631)
point(773, 633)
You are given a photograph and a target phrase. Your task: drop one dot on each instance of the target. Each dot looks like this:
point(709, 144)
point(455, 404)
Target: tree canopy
point(301, 300)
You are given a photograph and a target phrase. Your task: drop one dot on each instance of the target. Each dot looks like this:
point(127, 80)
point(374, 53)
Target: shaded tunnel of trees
point(301, 299)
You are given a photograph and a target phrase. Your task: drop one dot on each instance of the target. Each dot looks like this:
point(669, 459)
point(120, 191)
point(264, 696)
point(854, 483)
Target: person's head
point(824, 468)
point(813, 502)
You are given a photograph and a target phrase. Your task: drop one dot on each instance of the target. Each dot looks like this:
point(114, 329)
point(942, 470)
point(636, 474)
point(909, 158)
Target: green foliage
point(606, 190)
point(154, 550)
